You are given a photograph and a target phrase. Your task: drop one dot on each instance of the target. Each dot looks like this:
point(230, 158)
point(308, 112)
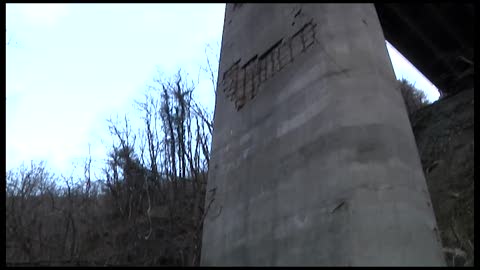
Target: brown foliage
point(413, 98)
point(146, 208)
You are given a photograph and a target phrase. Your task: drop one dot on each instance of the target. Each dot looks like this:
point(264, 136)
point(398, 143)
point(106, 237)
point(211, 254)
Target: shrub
point(413, 98)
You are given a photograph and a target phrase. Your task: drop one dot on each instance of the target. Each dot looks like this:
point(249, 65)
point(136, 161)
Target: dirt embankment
point(444, 133)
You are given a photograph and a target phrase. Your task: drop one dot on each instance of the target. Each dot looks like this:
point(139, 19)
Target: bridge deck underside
point(438, 39)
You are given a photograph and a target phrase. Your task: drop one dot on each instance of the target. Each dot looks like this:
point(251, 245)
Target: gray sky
point(78, 64)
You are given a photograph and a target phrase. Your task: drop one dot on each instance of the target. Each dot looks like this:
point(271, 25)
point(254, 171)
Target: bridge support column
point(313, 158)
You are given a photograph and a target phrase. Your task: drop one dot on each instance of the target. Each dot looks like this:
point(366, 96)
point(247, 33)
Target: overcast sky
point(76, 65)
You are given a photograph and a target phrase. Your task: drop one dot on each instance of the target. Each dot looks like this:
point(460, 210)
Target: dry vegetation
point(147, 206)
point(413, 98)
point(444, 133)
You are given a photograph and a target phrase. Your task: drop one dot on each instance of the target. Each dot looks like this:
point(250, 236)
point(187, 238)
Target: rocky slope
point(444, 133)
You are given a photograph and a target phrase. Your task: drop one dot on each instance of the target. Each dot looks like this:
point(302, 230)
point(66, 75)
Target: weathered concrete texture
point(313, 158)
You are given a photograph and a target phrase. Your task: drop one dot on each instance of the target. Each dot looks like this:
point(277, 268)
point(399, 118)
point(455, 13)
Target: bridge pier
point(314, 162)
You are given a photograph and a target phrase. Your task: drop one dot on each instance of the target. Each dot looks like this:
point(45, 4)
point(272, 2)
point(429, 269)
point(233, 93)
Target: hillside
point(138, 220)
point(444, 133)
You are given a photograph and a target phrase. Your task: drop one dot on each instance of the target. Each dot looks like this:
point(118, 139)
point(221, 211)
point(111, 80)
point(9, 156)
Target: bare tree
point(413, 98)
point(145, 208)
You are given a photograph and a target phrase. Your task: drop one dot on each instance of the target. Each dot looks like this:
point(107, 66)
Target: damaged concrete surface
point(319, 166)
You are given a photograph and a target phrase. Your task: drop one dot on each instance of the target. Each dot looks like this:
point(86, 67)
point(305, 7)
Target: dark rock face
point(444, 132)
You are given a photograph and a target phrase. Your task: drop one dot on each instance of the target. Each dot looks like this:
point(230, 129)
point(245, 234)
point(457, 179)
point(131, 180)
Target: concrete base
point(313, 158)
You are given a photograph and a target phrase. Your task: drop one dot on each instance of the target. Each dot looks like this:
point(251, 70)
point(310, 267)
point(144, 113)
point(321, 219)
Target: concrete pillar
point(313, 158)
